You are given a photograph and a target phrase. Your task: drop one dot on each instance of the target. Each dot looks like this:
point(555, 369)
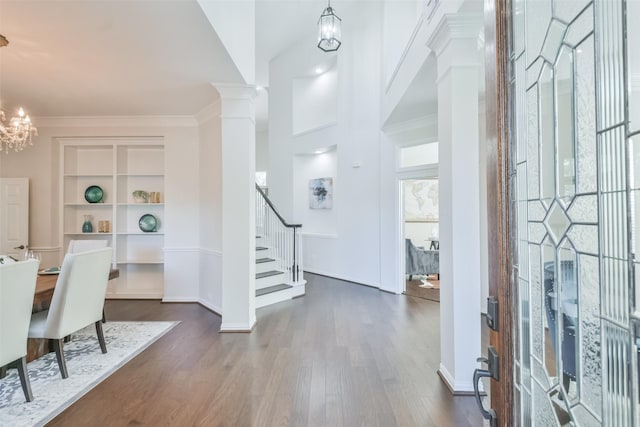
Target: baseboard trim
point(237, 327)
point(457, 389)
point(211, 307)
point(179, 299)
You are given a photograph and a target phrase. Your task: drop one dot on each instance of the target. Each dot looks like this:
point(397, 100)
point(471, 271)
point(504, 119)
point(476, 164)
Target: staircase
point(279, 275)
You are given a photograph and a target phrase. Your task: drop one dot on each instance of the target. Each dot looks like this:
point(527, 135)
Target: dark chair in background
point(568, 302)
point(421, 261)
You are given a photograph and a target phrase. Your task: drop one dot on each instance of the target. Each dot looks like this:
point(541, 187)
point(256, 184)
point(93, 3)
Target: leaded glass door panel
point(574, 157)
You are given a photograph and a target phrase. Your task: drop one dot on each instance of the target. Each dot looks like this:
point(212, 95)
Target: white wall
point(262, 151)
point(315, 101)
point(350, 248)
point(210, 229)
point(420, 233)
point(40, 164)
point(306, 167)
point(234, 22)
point(400, 18)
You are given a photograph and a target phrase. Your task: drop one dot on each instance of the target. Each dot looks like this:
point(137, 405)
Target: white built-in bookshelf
point(119, 166)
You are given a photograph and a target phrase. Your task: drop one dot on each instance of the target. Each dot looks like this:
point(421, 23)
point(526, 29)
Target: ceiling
point(145, 57)
point(116, 58)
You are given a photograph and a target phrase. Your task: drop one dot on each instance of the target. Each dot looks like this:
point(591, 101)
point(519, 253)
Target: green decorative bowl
point(148, 223)
point(93, 194)
point(140, 196)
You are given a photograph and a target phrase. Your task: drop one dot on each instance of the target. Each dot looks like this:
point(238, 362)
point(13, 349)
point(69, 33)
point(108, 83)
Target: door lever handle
point(20, 247)
point(492, 372)
point(488, 414)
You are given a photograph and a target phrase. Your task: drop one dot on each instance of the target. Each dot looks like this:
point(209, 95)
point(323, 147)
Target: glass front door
point(574, 84)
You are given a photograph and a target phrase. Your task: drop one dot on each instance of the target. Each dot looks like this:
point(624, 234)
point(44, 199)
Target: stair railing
point(281, 237)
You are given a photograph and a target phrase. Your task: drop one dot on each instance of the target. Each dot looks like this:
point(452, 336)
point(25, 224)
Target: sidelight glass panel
point(525, 332)
point(584, 209)
point(609, 59)
point(567, 317)
point(537, 19)
point(533, 158)
point(557, 222)
point(553, 40)
point(590, 375)
point(580, 28)
point(542, 408)
point(533, 72)
point(518, 26)
point(577, 130)
point(613, 224)
point(547, 143)
point(567, 10)
point(521, 111)
point(565, 154)
point(584, 238)
point(633, 64)
point(548, 303)
point(634, 154)
point(537, 212)
point(586, 179)
point(537, 312)
point(537, 232)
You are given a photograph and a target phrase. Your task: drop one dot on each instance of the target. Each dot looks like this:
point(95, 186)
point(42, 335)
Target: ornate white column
point(454, 41)
point(237, 121)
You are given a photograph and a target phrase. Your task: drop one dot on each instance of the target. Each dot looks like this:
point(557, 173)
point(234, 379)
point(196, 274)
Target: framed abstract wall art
point(321, 193)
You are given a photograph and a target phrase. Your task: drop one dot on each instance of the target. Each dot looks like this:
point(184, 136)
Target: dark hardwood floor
point(343, 355)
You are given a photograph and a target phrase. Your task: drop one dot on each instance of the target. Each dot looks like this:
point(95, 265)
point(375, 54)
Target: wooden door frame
point(496, 29)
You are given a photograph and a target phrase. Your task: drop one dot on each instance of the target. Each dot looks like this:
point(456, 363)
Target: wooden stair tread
point(268, 274)
point(261, 248)
point(270, 289)
point(261, 260)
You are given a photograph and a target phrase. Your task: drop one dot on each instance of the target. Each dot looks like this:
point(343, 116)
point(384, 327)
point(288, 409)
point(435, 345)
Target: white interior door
point(14, 216)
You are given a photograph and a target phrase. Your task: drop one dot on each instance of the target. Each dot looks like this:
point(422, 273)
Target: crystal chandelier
point(18, 131)
point(329, 30)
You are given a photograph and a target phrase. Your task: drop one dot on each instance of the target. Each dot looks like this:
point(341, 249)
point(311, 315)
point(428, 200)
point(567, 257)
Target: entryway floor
point(426, 287)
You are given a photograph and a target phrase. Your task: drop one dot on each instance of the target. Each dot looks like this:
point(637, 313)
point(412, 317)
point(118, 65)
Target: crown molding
point(114, 121)
point(452, 27)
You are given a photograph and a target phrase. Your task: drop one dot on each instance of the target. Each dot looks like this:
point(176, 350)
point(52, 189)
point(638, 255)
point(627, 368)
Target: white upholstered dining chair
point(17, 287)
point(76, 246)
point(77, 302)
point(84, 245)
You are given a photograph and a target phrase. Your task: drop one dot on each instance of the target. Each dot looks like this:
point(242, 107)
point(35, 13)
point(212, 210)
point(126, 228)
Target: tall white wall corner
point(455, 43)
point(237, 122)
point(235, 24)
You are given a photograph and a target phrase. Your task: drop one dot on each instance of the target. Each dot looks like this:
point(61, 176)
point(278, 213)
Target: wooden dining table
point(45, 285)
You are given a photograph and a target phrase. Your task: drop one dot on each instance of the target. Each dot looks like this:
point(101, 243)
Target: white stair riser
point(266, 266)
point(283, 295)
point(265, 282)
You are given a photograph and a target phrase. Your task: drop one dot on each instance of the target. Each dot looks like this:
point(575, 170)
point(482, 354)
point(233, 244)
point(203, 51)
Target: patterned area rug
point(87, 368)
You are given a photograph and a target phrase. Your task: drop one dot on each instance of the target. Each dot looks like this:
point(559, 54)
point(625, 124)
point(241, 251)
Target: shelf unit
point(119, 166)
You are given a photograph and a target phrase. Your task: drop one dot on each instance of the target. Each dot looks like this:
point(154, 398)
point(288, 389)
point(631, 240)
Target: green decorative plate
point(148, 223)
point(93, 194)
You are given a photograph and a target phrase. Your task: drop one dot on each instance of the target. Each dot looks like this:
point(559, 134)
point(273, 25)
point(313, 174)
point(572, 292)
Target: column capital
point(235, 91)
point(236, 101)
point(454, 27)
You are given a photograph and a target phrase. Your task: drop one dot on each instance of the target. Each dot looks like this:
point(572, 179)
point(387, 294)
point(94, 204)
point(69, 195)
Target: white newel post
point(238, 207)
point(455, 43)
